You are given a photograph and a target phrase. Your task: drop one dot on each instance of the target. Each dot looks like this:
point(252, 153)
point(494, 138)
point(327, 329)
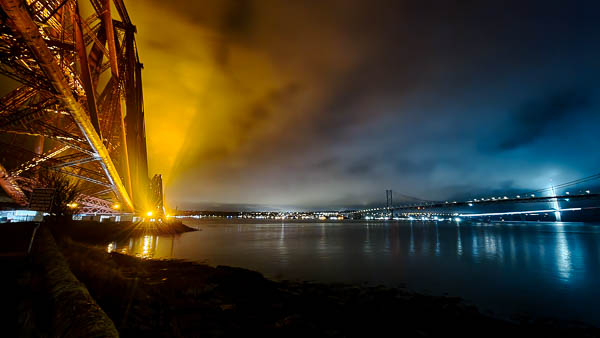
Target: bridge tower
point(389, 202)
point(157, 197)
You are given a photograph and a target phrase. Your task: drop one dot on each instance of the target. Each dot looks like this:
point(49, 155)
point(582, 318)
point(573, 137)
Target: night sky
point(328, 103)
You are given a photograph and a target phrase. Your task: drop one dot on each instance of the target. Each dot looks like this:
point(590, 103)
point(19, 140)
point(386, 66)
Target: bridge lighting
point(470, 204)
point(519, 212)
point(566, 199)
point(587, 191)
point(72, 205)
point(457, 219)
point(505, 197)
point(149, 213)
point(116, 206)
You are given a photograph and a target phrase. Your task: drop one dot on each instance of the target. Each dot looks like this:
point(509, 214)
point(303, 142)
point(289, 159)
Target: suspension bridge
point(553, 201)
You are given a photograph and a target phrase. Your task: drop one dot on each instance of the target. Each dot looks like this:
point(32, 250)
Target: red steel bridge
point(77, 105)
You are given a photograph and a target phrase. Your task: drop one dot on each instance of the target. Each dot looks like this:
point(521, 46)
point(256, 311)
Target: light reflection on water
point(538, 268)
point(145, 247)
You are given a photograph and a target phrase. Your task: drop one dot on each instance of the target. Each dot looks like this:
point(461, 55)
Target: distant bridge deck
point(427, 207)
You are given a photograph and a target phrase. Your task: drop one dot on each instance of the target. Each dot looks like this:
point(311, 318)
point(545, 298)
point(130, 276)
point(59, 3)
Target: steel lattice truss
point(76, 74)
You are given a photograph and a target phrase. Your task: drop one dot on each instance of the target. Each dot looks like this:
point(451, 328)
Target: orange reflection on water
point(144, 247)
point(147, 251)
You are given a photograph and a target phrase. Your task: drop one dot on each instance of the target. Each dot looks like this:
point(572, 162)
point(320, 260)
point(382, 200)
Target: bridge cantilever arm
point(29, 31)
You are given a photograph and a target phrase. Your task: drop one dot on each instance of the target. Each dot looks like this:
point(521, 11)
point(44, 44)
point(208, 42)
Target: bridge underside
point(77, 105)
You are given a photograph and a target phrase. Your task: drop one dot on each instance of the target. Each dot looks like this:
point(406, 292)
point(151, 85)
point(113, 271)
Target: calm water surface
point(542, 269)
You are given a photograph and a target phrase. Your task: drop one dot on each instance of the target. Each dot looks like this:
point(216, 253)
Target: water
point(541, 269)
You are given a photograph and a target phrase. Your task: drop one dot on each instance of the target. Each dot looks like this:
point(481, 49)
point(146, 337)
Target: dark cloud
point(332, 102)
point(536, 117)
point(405, 166)
point(238, 16)
point(361, 168)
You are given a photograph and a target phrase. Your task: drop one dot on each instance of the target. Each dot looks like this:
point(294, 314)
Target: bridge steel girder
point(94, 205)
point(29, 32)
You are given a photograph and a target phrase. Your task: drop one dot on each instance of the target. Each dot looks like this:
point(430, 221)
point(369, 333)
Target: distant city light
point(587, 191)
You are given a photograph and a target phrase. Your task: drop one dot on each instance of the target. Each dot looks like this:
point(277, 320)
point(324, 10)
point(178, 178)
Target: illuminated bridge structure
point(77, 104)
point(543, 204)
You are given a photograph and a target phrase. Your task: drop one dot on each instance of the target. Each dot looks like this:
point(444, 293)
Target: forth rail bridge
point(78, 107)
